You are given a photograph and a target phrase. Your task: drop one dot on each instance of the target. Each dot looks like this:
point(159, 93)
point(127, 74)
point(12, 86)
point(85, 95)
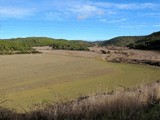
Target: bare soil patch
point(134, 56)
point(88, 54)
point(123, 55)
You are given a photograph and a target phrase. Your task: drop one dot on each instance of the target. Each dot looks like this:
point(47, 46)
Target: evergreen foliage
point(24, 45)
point(150, 42)
point(69, 45)
point(122, 41)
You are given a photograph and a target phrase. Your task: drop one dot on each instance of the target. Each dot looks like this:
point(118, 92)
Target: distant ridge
point(24, 45)
point(148, 42)
point(121, 41)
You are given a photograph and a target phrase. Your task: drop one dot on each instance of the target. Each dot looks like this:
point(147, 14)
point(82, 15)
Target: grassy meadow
point(28, 79)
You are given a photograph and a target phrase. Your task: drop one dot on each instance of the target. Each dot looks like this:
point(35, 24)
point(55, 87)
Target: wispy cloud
point(113, 21)
point(128, 6)
point(15, 12)
point(133, 6)
point(89, 9)
point(56, 15)
point(78, 9)
point(86, 11)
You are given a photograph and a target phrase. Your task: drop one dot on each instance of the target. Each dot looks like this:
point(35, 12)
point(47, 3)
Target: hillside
point(24, 45)
point(121, 41)
point(150, 42)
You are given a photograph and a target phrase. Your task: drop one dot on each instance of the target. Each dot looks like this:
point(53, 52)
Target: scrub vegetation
point(24, 45)
point(138, 103)
point(148, 42)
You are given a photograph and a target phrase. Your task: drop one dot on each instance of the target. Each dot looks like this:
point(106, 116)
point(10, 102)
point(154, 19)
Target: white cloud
point(62, 9)
point(149, 5)
point(86, 11)
point(133, 6)
point(117, 20)
point(84, 8)
point(128, 6)
point(113, 21)
point(13, 12)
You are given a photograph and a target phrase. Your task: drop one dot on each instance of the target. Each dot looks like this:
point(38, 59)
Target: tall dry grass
point(140, 103)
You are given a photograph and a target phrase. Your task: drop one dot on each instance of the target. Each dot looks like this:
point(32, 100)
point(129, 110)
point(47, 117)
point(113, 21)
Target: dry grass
point(28, 79)
point(87, 54)
point(121, 105)
point(124, 55)
point(140, 103)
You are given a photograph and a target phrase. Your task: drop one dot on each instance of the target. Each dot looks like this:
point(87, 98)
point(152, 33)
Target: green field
point(28, 79)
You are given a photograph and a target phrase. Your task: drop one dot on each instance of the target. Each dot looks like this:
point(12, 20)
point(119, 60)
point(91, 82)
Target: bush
point(103, 52)
point(69, 45)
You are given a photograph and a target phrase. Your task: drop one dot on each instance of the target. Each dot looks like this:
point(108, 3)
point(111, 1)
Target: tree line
point(25, 45)
point(150, 42)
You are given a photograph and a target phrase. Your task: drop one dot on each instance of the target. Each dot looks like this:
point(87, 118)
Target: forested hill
point(121, 41)
point(150, 42)
point(24, 45)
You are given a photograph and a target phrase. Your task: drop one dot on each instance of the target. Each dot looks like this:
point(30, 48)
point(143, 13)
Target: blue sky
point(78, 19)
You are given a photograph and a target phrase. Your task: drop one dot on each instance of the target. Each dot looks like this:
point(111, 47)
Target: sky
point(78, 19)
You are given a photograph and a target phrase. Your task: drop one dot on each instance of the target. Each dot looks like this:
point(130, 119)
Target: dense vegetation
point(70, 45)
point(150, 42)
point(9, 47)
point(24, 45)
point(121, 41)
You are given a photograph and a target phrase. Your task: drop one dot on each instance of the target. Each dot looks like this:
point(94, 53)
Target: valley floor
point(33, 78)
point(114, 55)
point(137, 103)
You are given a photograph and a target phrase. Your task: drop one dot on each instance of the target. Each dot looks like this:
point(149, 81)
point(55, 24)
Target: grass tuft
point(140, 103)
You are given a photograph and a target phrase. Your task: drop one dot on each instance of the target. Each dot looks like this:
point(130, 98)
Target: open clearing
point(28, 79)
point(128, 54)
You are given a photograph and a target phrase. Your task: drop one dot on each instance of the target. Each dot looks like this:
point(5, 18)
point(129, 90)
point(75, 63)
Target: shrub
point(103, 52)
